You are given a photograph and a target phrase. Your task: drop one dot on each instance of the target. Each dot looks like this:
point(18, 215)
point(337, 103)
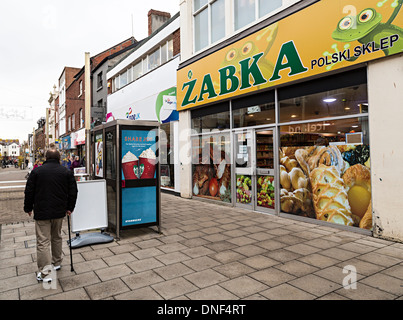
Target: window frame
point(73, 119)
point(285, 4)
point(80, 88)
point(99, 80)
point(208, 7)
point(121, 75)
point(81, 118)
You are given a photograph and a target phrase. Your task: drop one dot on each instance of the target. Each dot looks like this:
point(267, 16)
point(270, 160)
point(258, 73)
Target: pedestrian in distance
point(51, 193)
point(76, 163)
point(36, 165)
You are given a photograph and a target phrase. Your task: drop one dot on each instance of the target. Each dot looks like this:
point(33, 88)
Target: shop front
point(240, 144)
point(68, 149)
point(79, 143)
point(280, 119)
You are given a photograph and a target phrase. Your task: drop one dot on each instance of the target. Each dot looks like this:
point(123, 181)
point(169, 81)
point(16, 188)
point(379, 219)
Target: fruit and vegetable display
point(329, 183)
point(212, 175)
point(243, 189)
point(265, 191)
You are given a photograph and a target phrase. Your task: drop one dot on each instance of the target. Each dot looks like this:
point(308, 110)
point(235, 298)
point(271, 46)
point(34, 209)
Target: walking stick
point(71, 254)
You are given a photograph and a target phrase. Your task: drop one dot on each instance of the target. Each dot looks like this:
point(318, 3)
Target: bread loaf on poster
point(358, 175)
point(288, 163)
point(313, 157)
point(366, 220)
point(296, 202)
point(285, 180)
point(298, 179)
point(330, 199)
point(357, 180)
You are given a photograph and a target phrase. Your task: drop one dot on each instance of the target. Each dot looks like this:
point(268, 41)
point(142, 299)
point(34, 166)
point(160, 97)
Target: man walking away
point(51, 192)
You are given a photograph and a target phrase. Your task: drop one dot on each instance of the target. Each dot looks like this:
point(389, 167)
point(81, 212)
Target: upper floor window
point(138, 70)
point(81, 118)
point(73, 121)
point(247, 11)
point(99, 80)
point(209, 22)
point(81, 88)
point(154, 59)
point(123, 79)
point(62, 96)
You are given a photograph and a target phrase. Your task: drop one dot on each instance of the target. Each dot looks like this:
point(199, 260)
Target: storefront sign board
point(79, 137)
point(67, 143)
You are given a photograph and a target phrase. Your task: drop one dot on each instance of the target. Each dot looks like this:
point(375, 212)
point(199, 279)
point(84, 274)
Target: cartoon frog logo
point(367, 27)
point(261, 43)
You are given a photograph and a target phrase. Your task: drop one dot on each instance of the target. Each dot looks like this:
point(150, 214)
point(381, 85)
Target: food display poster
point(264, 190)
point(99, 158)
point(138, 156)
point(330, 183)
point(211, 177)
point(325, 36)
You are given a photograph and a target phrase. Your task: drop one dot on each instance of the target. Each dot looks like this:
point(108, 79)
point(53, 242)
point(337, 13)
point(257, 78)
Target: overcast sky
point(38, 38)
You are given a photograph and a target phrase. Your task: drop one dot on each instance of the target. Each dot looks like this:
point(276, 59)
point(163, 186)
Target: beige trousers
point(48, 243)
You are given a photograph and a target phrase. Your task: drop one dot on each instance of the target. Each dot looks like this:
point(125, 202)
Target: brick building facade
point(75, 102)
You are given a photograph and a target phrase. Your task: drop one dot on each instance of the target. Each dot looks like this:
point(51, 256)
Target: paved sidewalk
point(210, 252)
point(12, 186)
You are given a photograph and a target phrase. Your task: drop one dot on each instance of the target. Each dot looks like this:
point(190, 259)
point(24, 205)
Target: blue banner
point(139, 205)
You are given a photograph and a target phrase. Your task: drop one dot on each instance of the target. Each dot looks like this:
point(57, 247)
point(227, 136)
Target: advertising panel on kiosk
point(139, 170)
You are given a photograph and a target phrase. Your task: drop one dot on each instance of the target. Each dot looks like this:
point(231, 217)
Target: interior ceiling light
point(354, 126)
point(293, 116)
point(329, 100)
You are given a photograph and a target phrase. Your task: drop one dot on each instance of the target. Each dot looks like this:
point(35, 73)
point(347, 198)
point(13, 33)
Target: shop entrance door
point(254, 173)
point(244, 165)
point(264, 186)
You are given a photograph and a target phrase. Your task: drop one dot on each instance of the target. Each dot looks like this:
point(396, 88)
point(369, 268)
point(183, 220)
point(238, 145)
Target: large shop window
point(325, 165)
point(339, 102)
point(254, 110)
point(215, 117)
point(211, 166)
point(339, 95)
point(167, 167)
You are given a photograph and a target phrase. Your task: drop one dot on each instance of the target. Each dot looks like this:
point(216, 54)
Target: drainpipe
point(87, 80)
